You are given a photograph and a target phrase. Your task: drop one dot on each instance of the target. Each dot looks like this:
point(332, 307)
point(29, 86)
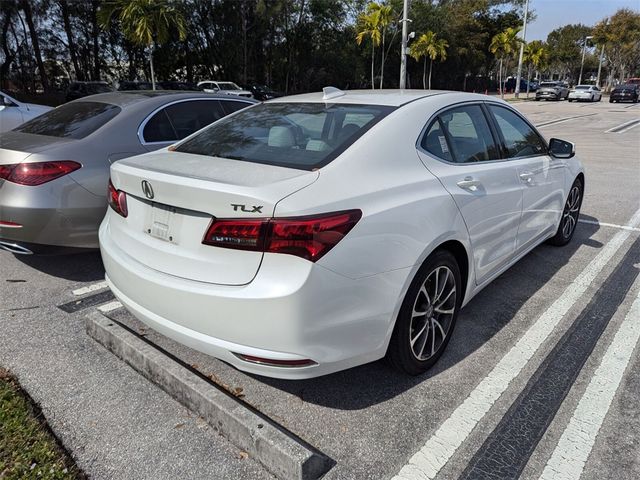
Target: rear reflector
point(308, 237)
point(117, 200)
point(276, 363)
point(33, 174)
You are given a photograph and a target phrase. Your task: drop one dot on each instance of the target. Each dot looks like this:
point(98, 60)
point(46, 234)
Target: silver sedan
point(54, 169)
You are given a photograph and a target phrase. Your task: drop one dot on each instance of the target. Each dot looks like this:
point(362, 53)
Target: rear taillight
point(37, 173)
point(307, 237)
point(117, 200)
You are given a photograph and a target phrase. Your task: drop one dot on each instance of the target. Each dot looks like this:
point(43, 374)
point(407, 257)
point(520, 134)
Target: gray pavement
point(369, 419)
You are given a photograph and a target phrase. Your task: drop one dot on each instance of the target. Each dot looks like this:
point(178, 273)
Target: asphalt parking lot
point(531, 385)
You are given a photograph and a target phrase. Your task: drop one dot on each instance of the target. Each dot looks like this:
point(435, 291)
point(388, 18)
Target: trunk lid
point(187, 191)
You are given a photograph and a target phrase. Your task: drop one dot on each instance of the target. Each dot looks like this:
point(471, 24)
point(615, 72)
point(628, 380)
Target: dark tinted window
point(519, 138)
point(298, 135)
point(435, 142)
point(231, 106)
point(159, 129)
point(73, 120)
point(188, 117)
point(468, 134)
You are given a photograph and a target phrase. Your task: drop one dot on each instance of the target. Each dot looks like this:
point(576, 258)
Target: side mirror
point(561, 148)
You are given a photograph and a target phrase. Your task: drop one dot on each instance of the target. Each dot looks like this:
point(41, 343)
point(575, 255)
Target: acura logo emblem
point(147, 189)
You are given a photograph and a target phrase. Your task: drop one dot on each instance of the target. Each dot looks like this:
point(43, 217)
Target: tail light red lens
point(117, 200)
point(307, 237)
point(37, 173)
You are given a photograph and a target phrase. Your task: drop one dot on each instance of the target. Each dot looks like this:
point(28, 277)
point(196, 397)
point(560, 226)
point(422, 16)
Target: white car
point(224, 88)
point(590, 93)
point(313, 233)
point(14, 113)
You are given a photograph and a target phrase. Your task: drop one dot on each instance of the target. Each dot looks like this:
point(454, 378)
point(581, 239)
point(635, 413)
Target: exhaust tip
point(15, 248)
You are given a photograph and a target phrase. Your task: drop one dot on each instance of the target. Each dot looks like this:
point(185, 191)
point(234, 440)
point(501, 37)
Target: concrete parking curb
point(278, 450)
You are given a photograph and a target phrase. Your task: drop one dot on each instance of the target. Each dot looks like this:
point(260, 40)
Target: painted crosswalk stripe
point(90, 288)
point(570, 456)
point(435, 454)
point(108, 307)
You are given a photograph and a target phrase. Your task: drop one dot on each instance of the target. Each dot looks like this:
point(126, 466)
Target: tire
point(570, 100)
point(423, 330)
point(570, 215)
point(611, 100)
point(537, 99)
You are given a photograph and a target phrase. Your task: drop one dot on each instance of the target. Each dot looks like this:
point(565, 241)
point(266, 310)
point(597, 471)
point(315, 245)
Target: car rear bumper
point(60, 213)
point(618, 97)
point(546, 94)
point(580, 96)
point(292, 310)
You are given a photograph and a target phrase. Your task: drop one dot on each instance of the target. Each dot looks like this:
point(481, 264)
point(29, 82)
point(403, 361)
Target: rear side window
point(296, 135)
point(467, 136)
point(232, 106)
point(71, 120)
point(180, 120)
point(519, 138)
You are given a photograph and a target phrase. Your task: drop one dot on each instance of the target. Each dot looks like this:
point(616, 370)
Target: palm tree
point(146, 23)
point(369, 26)
point(503, 45)
point(385, 16)
point(428, 45)
point(534, 55)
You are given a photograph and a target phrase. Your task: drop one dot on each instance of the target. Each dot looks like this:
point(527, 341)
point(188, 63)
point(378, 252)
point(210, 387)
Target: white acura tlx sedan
point(313, 233)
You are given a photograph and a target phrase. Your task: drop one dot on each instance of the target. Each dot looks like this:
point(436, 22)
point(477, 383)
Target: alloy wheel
point(571, 212)
point(432, 313)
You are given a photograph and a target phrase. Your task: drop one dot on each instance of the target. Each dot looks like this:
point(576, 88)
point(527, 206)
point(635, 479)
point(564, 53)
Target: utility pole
point(600, 66)
point(403, 48)
point(524, 39)
point(584, 49)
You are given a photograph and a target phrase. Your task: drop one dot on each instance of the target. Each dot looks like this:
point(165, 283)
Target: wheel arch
point(461, 255)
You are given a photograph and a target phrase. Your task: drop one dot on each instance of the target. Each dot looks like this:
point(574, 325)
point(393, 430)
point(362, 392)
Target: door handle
point(469, 183)
point(526, 177)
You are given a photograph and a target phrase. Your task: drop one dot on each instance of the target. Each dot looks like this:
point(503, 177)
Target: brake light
point(37, 173)
point(117, 200)
point(308, 237)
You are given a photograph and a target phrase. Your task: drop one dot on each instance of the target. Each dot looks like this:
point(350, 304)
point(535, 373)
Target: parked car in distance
point(14, 113)
point(625, 93)
point(126, 85)
point(223, 88)
point(313, 233)
point(54, 169)
point(552, 91)
point(589, 93)
point(174, 85)
point(262, 92)
point(78, 90)
point(510, 85)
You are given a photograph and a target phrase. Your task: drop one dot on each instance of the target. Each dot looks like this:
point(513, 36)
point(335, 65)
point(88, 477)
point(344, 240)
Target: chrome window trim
point(162, 107)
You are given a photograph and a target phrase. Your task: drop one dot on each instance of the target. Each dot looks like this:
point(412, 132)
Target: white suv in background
point(223, 88)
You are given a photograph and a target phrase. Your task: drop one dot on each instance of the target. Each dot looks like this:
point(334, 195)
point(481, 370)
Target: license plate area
point(163, 222)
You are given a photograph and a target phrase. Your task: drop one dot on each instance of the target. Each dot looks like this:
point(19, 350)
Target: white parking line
point(562, 120)
point(570, 456)
point(612, 225)
point(107, 307)
point(435, 454)
point(631, 124)
point(90, 288)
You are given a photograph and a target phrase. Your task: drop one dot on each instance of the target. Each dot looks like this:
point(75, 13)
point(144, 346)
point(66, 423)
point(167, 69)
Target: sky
point(551, 14)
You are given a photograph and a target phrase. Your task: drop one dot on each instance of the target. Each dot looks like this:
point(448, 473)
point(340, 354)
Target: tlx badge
point(243, 208)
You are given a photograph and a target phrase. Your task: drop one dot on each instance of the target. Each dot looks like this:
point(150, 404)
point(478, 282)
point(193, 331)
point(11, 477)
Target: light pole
point(584, 49)
point(524, 36)
point(403, 48)
point(600, 66)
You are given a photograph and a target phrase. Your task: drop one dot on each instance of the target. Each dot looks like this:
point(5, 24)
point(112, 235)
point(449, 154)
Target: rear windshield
point(548, 84)
point(296, 135)
point(582, 87)
point(71, 120)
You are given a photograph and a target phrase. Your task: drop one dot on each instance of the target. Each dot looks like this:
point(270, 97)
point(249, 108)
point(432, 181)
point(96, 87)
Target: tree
point(620, 35)
point(146, 23)
point(385, 15)
point(565, 49)
point(535, 56)
point(369, 26)
point(428, 45)
point(35, 42)
point(504, 45)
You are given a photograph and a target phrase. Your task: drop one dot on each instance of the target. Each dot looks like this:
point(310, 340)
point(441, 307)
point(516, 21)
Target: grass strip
point(28, 448)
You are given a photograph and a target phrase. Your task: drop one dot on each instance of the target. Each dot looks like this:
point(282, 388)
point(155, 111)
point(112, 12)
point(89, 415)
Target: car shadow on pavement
point(492, 309)
point(77, 267)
